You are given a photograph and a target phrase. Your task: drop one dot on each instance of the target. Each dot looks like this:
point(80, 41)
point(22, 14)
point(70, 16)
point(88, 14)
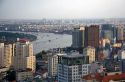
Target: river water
point(46, 41)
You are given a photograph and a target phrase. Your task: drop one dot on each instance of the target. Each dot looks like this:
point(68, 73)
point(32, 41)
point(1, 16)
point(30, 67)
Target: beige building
point(52, 64)
point(31, 62)
point(23, 57)
point(8, 52)
point(1, 54)
point(90, 51)
point(23, 75)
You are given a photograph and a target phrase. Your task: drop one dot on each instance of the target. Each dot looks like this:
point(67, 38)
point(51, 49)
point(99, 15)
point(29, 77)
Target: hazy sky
point(38, 9)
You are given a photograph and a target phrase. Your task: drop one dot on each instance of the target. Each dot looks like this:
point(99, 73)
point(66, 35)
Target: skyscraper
point(120, 33)
point(108, 31)
point(78, 37)
point(23, 57)
point(92, 36)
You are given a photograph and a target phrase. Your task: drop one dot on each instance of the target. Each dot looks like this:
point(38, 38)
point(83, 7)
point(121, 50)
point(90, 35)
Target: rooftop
point(73, 55)
point(107, 78)
point(23, 40)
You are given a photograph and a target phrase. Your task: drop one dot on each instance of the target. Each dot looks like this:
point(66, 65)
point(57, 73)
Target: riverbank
point(10, 37)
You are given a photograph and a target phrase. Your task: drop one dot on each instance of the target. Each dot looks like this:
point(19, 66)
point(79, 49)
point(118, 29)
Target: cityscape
point(72, 44)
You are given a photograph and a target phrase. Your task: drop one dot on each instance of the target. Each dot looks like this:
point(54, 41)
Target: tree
point(11, 75)
point(44, 52)
point(41, 55)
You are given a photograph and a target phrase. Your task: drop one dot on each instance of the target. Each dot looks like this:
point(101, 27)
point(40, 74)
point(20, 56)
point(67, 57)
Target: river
point(46, 41)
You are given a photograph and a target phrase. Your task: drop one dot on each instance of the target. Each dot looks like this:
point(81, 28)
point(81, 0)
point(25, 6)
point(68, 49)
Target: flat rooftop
point(73, 55)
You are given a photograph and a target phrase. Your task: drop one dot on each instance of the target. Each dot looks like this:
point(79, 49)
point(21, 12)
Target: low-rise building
point(3, 72)
point(24, 75)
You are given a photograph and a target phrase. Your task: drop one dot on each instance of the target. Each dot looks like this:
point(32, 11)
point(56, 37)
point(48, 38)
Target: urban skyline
point(62, 41)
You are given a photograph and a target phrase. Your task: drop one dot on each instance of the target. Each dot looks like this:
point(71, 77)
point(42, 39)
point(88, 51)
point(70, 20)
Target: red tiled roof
point(23, 40)
point(99, 78)
point(114, 77)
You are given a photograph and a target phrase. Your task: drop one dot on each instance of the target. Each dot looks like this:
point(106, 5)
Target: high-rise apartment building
point(72, 67)
point(108, 31)
point(92, 36)
point(23, 57)
point(53, 59)
point(90, 51)
point(6, 52)
point(78, 37)
point(52, 64)
point(120, 33)
point(1, 54)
